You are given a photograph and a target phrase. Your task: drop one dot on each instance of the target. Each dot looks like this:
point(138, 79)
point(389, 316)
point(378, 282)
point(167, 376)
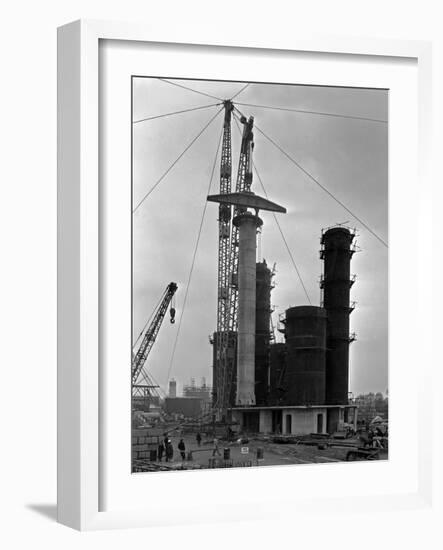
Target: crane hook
point(172, 314)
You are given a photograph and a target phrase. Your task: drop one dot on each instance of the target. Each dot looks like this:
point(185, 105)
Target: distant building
point(189, 407)
point(371, 405)
point(172, 388)
point(203, 392)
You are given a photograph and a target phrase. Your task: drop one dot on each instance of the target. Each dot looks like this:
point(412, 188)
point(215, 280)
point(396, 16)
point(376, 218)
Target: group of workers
point(166, 449)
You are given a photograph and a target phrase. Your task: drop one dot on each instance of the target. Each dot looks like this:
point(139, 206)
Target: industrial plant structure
point(272, 383)
point(301, 385)
point(297, 387)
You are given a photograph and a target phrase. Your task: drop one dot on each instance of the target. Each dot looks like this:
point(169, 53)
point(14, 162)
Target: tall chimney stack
point(336, 251)
point(247, 224)
point(247, 243)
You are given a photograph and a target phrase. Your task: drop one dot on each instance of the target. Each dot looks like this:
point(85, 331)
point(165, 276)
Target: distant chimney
point(172, 388)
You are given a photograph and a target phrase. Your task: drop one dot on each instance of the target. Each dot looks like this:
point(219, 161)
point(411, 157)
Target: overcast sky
point(348, 156)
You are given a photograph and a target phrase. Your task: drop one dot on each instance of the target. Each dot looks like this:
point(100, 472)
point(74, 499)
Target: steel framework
point(227, 299)
point(138, 372)
point(224, 234)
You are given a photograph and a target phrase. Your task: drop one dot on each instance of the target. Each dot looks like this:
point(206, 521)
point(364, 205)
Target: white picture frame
point(79, 411)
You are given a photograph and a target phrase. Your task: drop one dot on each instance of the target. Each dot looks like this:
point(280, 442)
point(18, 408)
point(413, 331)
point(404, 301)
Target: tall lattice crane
point(222, 338)
point(227, 299)
point(138, 373)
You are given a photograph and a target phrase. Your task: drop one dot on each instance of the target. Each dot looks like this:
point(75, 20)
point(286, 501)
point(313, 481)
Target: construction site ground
point(245, 454)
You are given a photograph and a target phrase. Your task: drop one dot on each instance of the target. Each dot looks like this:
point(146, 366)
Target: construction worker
point(160, 450)
point(216, 449)
point(169, 451)
point(182, 448)
point(198, 437)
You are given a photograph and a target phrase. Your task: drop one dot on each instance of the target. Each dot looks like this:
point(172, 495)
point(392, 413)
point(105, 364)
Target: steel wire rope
point(175, 161)
point(145, 377)
point(284, 239)
point(279, 228)
point(176, 112)
point(194, 256)
point(315, 180)
point(240, 91)
point(151, 381)
point(190, 89)
point(320, 113)
point(160, 390)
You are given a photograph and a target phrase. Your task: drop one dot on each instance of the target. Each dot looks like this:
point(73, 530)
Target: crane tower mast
point(224, 234)
point(227, 298)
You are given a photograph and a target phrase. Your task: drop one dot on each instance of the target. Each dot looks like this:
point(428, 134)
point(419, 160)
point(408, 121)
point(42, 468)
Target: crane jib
point(140, 357)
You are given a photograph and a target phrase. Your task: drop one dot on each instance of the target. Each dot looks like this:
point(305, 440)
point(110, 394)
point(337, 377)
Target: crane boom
point(224, 235)
point(244, 182)
point(139, 359)
point(228, 259)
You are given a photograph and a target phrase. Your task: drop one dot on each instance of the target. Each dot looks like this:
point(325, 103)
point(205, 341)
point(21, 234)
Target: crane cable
point(194, 255)
point(151, 381)
point(240, 91)
point(176, 112)
point(320, 113)
point(279, 227)
point(284, 239)
point(190, 89)
point(176, 160)
point(312, 178)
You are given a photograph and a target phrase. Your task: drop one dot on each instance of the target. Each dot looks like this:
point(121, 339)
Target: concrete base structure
point(295, 420)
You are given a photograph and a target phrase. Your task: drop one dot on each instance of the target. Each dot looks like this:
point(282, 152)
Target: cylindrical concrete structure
point(305, 334)
point(247, 224)
point(262, 332)
point(336, 284)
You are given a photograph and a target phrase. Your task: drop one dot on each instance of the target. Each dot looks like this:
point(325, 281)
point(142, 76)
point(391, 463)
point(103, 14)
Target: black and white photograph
point(221, 250)
point(259, 274)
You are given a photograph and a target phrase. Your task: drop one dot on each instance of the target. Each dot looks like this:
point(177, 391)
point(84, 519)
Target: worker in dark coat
point(198, 437)
point(216, 450)
point(182, 449)
point(169, 451)
point(160, 450)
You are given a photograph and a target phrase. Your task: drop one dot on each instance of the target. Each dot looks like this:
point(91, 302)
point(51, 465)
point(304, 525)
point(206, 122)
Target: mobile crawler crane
point(142, 384)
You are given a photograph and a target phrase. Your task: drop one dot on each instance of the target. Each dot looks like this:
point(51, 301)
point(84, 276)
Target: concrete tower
point(247, 224)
